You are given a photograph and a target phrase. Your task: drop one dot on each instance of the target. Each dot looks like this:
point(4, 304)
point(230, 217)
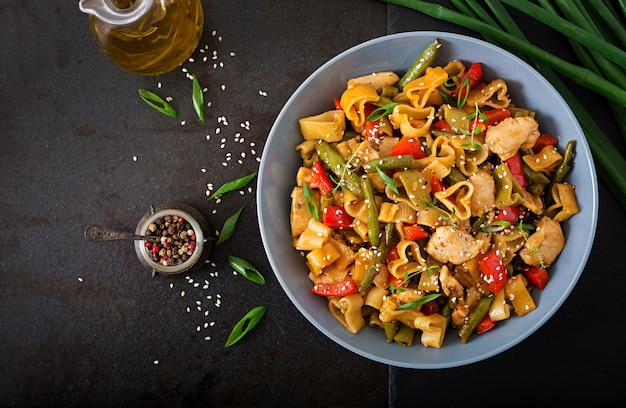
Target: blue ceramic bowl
point(396, 52)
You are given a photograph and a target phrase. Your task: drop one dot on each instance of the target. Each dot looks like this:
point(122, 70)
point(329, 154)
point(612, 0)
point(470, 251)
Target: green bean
point(404, 336)
point(387, 91)
point(391, 328)
point(405, 161)
point(420, 64)
point(347, 178)
point(373, 226)
point(448, 308)
point(478, 223)
point(534, 177)
point(566, 164)
point(455, 176)
point(374, 319)
point(378, 259)
point(382, 101)
point(475, 316)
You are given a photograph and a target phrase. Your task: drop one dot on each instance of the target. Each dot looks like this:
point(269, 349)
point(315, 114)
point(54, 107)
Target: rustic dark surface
point(84, 324)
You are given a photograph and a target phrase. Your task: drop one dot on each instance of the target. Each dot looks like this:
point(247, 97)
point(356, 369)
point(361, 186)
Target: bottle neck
point(122, 13)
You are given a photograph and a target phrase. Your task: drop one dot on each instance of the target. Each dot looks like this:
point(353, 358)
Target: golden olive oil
point(155, 44)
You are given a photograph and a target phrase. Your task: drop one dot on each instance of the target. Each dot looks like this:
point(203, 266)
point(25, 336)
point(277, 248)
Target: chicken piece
point(450, 286)
point(484, 195)
point(376, 79)
point(448, 244)
point(545, 245)
point(508, 136)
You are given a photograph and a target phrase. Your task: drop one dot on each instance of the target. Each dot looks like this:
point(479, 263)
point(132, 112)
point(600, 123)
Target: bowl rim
point(546, 314)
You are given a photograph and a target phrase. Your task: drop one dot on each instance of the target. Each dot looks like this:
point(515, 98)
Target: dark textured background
point(82, 324)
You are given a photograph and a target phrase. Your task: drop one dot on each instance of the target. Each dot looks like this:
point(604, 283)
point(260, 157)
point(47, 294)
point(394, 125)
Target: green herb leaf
point(233, 185)
point(463, 92)
point(387, 180)
point(246, 324)
point(229, 227)
point(157, 103)
point(381, 112)
point(418, 302)
point(495, 226)
point(198, 98)
point(246, 269)
point(311, 205)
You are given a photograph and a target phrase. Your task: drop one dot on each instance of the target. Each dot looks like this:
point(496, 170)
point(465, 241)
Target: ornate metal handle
point(97, 233)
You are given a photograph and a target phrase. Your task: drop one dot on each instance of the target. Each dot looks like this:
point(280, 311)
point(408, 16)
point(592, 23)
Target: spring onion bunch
point(595, 30)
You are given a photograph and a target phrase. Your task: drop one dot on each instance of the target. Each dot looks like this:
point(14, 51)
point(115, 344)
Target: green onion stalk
point(599, 47)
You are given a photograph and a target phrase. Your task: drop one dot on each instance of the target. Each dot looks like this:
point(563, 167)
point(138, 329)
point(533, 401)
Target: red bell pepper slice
point(337, 103)
point(441, 125)
point(320, 180)
point(409, 145)
point(396, 282)
point(516, 167)
point(436, 185)
point(414, 232)
point(474, 75)
point(392, 254)
point(485, 324)
point(345, 288)
point(544, 140)
point(495, 116)
point(429, 308)
point(336, 217)
point(371, 130)
point(493, 271)
point(510, 214)
point(537, 276)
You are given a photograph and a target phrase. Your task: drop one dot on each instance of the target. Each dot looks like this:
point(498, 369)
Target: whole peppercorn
point(177, 243)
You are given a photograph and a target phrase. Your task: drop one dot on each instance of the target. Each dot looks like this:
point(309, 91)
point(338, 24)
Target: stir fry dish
point(429, 202)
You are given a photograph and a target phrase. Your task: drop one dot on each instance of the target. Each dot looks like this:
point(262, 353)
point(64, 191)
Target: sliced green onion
point(419, 302)
point(246, 269)
point(198, 98)
point(387, 180)
point(311, 205)
point(157, 103)
point(495, 226)
point(247, 323)
point(381, 112)
point(233, 185)
point(229, 227)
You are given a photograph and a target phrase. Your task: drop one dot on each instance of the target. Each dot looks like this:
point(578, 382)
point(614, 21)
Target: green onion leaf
point(229, 227)
point(246, 324)
point(495, 226)
point(157, 103)
point(311, 205)
point(463, 92)
point(419, 302)
point(381, 112)
point(387, 180)
point(246, 269)
point(198, 98)
point(233, 185)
